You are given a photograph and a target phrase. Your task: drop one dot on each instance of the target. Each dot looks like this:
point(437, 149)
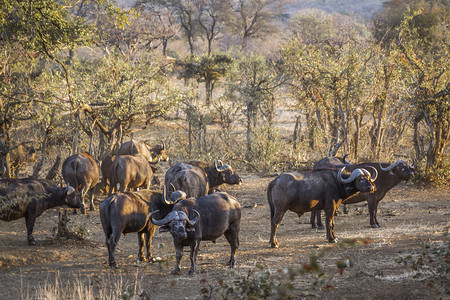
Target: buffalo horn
point(194, 220)
point(69, 190)
point(172, 215)
point(411, 167)
point(163, 145)
point(391, 166)
point(352, 176)
point(373, 174)
point(157, 161)
point(177, 196)
point(222, 167)
point(215, 165)
point(164, 192)
point(344, 159)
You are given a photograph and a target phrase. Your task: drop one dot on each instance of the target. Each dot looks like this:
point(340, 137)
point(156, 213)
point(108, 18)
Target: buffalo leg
point(178, 256)
point(232, 236)
point(329, 215)
point(195, 245)
point(275, 222)
point(141, 240)
point(316, 215)
point(372, 203)
point(91, 200)
point(148, 240)
point(112, 242)
point(29, 221)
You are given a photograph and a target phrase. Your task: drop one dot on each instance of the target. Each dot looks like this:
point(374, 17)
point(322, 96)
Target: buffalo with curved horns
point(130, 212)
point(29, 198)
point(301, 192)
point(214, 215)
point(197, 179)
point(389, 175)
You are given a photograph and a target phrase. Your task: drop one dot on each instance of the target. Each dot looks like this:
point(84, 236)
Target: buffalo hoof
point(313, 226)
point(31, 242)
point(191, 272)
point(176, 272)
point(375, 226)
point(332, 240)
point(113, 265)
point(274, 245)
point(320, 227)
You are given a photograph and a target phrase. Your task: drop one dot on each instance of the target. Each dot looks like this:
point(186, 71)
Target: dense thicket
point(243, 80)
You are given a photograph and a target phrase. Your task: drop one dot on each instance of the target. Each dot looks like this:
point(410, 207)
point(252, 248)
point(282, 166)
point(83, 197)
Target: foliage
point(432, 265)
point(207, 69)
point(427, 75)
point(263, 283)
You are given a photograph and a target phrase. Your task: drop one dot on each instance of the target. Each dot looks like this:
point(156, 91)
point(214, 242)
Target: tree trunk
point(54, 170)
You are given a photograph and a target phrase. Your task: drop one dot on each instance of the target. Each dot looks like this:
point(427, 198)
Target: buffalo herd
point(189, 205)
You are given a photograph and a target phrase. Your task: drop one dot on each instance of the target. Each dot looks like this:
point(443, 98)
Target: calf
point(215, 215)
point(301, 192)
point(29, 198)
point(129, 212)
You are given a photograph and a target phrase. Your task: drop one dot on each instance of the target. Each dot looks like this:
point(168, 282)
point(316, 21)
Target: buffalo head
point(160, 151)
point(72, 198)
point(227, 174)
point(177, 222)
point(401, 168)
point(361, 178)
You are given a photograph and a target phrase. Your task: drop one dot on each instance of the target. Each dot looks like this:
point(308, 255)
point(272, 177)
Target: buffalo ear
point(164, 228)
point(190, 229)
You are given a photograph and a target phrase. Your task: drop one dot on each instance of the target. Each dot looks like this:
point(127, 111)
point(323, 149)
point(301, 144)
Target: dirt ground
point(415, 223)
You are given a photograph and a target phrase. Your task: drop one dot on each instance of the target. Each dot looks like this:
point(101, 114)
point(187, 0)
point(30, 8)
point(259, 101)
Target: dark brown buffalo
point(82, 172)
point(301, 192)
point(129, 212)
point(131, 171)
point(197, 179)
point(29, 198)
point(105, 168)
point(325, 163)
point(389, 175)
point(154, 154)
point(215, 215)
point(19, 156)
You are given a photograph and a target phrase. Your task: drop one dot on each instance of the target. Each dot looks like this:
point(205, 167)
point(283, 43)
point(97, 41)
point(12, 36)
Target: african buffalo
point(153, 154)
point(301, 192)
point(82, 172)
point(131, 171)
point(29, 198)
point(129, 212)
point(105, 168)
point(389, 175)
point(21, 155)
point(197, 179)
point(326, 162)
point(215, 215)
